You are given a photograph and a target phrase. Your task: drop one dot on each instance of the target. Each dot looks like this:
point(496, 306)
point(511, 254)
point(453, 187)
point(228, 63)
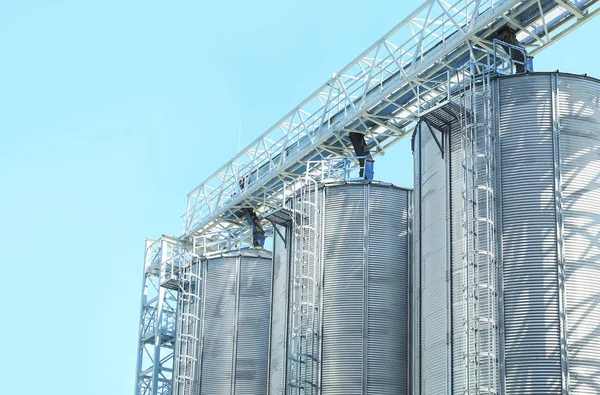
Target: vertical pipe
point(466, 150)
point(562, 294)
point(322, 217)
point(448, 164)
point(410, 269)
point(235, 321)
point(203, 274)
point(499, 241)
point(289, 262)
point(271, 299)
point(314, 284)
point(199, 291)
point(365, 301)
point(416, 280)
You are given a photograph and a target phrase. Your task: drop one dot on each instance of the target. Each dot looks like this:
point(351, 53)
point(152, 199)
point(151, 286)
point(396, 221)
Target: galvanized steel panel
point(438, 259)
point(365, 290)
point(236, 324)
point(387, 292)
point(532, 338)
point(432, 262)
point(579, 121)
point(454, 162)
point(279, 309)
point(343, 264)
point(364, 247)
point(252, 342)
point(549, 202)
point(218, 326)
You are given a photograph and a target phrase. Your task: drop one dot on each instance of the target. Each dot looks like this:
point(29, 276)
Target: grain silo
point(339, 322)
point(506, 226)
point(223, 333)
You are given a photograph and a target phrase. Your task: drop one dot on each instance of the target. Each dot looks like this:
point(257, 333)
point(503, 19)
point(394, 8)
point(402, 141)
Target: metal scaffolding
point(164, 259)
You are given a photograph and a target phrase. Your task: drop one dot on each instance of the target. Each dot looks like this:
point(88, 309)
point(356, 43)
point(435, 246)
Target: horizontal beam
point(381, 94)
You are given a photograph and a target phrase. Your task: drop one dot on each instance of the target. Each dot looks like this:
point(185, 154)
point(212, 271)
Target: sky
point(110, 113)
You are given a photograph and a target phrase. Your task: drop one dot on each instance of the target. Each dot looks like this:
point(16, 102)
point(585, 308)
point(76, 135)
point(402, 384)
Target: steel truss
point(215, 243)
point(380, 94)
point(409, 72)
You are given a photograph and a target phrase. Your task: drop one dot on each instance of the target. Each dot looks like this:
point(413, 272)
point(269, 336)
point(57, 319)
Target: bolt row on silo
point(506, 239)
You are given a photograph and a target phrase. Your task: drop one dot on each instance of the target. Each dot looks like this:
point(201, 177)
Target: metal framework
point(164, 259)
point(380, 94)
point(215, 243)
point(560, 241)
point(406, 74)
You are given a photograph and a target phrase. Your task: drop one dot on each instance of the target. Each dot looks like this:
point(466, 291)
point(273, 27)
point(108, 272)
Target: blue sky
point(110, 112)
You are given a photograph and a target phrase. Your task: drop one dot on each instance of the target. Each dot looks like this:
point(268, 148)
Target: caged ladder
point(480, 314)
point(188, 353)
point(304, 342)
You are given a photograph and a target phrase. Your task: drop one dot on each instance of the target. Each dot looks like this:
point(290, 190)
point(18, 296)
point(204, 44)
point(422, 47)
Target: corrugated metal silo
point(235, 323)
point(431, 265)
point(544, 172)
point(362, 240)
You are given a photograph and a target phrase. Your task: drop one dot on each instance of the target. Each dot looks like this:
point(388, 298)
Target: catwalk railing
point(380, 94)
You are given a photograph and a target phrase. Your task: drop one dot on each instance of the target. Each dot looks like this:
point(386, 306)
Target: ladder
point(187, 354)
point(304, 342)
point(480, 311)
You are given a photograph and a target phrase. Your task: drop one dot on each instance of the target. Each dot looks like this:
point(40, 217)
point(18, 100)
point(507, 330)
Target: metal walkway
point(380, 94)
point(406, 74)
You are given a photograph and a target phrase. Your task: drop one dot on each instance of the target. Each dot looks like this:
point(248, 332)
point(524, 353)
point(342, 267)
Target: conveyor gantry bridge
point(380, 94)
point(408, 73)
